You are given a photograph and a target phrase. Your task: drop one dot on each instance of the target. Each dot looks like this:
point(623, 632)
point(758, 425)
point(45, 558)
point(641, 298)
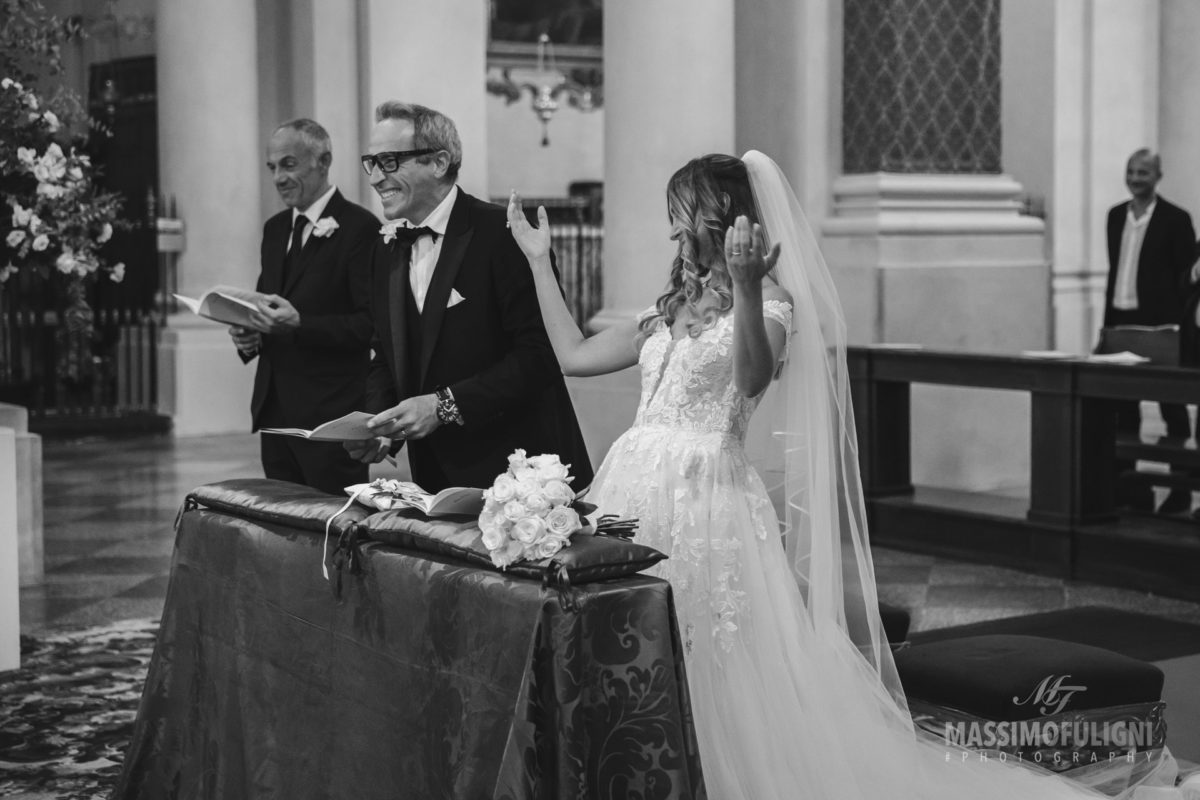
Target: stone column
point(10, 595)
point(210, 160)
point(434, 59)
point(927, 242)
point(668, 97)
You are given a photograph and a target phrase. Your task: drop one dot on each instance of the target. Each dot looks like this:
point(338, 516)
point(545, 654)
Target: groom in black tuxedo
point(462, 368)
point(312, 336)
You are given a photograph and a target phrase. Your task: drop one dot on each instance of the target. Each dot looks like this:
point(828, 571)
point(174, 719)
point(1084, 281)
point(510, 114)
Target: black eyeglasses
point(391, 160)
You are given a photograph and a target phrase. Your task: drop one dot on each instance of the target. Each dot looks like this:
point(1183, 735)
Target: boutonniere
point(323, 227)
point(388, 229)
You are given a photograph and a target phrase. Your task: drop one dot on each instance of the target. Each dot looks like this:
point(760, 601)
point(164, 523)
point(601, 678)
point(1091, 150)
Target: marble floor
point(110, 507)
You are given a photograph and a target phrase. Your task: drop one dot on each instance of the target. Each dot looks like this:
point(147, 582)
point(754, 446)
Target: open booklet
point(386, 494)
point(226, 304)
point(350, 428)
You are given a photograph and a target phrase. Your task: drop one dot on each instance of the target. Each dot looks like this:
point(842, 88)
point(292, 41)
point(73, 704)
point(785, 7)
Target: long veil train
point(827, 545)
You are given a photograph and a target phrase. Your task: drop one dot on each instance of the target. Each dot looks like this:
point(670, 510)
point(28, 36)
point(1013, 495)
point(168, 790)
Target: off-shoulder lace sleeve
point(779, 311)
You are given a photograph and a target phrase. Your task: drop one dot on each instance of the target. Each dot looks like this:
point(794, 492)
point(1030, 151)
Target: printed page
point(457, 500)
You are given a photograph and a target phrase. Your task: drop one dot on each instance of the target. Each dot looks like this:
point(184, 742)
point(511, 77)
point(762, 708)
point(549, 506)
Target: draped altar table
point(423, 678)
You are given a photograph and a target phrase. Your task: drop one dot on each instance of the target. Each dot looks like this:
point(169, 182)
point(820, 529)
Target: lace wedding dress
point(784, 707)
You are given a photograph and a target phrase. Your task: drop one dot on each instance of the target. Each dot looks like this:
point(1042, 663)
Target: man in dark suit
point(312, 333)
point(1150, 253)
point(463, 370)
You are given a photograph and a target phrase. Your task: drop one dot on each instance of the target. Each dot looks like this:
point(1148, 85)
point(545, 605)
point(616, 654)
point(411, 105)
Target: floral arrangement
point(57, 216)
point(527, 512)
point(52, 217)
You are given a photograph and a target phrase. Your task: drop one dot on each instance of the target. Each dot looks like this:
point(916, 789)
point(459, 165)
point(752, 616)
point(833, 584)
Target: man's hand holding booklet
point(350, 428)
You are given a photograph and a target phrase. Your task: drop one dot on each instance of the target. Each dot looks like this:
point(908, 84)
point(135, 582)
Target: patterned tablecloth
point(423, 679)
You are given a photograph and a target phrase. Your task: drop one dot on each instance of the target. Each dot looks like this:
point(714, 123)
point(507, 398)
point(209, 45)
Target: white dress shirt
point(313, 213)
point(1132, 235)
point(425, 249)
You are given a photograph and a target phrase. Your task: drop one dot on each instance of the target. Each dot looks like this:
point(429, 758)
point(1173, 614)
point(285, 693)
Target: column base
point(202, 384)
point(946, 262)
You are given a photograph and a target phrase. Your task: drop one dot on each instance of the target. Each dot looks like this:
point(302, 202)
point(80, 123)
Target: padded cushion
point(588, 558)
point(278, 502)
point(1023, 677)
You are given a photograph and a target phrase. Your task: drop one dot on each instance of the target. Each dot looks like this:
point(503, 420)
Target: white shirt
point(313, 213)
point(425, 250)
point(1132, 235)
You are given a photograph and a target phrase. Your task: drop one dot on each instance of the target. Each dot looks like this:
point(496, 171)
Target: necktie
point(406, 236)
point(293, 254)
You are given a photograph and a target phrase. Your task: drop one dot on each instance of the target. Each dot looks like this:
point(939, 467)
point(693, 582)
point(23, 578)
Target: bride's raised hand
point(534, 242)
point(746, 254)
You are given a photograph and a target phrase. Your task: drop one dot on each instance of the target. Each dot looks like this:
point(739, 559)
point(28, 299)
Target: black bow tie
point(407, 236)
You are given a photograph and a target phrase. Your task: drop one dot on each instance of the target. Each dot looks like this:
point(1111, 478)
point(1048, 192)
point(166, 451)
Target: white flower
point(504, 489)
point(105, 233)
point(41, 242)
point(562, 521)
point(527, 485)
point(118, 272)
point(527, 529)
point(514, 510)
point(35, 223)
point(537, 501)
point(51, 190)
point(7, 272)
point(513, 551)
point(21, 216)
point(26, 155)
point(516, 460)
point(325, 226)
point(549, 468)
point(51, 121)
point(14, 238)
point(7, 82)
point(65, 263)
point(31, 101)
point(388, 229)
point(75, 173)
point(548, 547)
point(558, 493)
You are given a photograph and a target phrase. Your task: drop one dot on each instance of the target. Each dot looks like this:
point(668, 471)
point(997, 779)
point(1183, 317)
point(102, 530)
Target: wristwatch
point(447, 409)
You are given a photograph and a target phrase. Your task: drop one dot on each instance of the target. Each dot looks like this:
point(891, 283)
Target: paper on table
point(1124, 357)
point(1047, 354)
point(350, 428)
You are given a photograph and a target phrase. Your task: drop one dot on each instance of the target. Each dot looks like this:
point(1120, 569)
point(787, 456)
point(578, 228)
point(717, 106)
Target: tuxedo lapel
point(315, 245)
point(454, 249)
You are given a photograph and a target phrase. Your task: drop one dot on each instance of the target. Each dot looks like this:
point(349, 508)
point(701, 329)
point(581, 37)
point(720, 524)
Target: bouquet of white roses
point(527, 512)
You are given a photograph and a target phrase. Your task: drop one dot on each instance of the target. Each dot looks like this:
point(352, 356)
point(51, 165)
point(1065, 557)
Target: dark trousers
point(321, 465)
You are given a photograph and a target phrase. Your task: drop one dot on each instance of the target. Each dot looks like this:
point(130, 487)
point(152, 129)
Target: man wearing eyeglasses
point(312, 332)
point(463, 371)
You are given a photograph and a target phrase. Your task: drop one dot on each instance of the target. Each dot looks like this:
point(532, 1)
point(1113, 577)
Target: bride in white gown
point(793, 687)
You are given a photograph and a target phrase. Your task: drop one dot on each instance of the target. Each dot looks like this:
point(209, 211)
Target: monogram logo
point(1051, 695)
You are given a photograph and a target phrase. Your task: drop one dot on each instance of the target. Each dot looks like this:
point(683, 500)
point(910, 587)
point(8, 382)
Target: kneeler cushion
point(1015, 677)
point(277, 502)
point(588, 558)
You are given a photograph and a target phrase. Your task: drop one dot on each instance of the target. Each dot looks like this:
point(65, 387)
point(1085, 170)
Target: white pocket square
point(455, 298)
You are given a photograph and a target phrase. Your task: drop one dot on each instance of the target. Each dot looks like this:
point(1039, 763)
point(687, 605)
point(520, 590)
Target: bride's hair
point(703, 199)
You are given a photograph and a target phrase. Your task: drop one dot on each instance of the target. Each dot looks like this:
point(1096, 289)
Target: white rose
point(504, 488)
point(525, 473)
point(325, 226)
point(14, 238)
point(527, 486)
point(493, 537)
point(7, 82)
point(51, 121)
point(528, 529)
point(26, 155)
point(537, 501)
point(21, 216)
point(548, 547)
point(562, 521)
point(517, 459)
point(41, 242)
point(513, 551)
point(514, 510)
point(549, 468)
point(118, 272)
point(558, 492)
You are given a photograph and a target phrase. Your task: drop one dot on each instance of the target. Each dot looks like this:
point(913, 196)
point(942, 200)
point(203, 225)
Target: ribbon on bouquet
point(328, 525)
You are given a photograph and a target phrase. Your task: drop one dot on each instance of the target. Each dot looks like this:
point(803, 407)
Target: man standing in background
point(312, 333)
point(1150, 254)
